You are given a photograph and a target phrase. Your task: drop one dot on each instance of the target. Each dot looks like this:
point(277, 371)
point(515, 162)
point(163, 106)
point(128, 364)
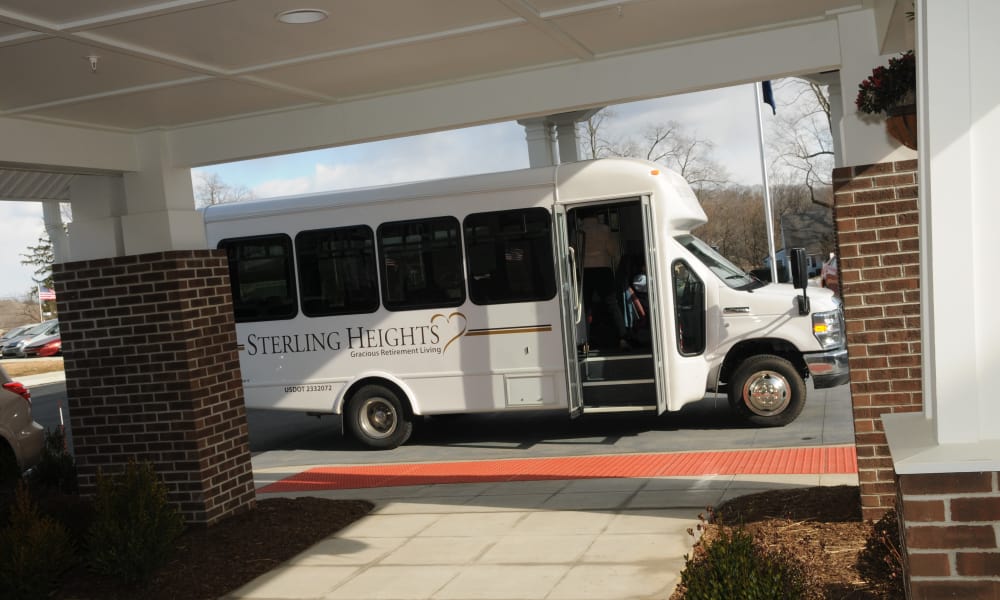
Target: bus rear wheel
point(766, 390)
point(377, 418)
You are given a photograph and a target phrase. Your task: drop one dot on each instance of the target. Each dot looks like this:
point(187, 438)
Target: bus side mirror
point(800, 278)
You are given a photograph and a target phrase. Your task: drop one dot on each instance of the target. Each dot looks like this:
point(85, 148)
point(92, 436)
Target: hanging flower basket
point(890, 90)
point(901, 125)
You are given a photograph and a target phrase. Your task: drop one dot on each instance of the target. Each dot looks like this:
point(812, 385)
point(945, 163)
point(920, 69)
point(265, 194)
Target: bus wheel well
point(378, 414)
point(357, 385)
point(740, 352)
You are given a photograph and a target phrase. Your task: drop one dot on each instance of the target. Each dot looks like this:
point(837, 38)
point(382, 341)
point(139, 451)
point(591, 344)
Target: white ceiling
point(177, 63)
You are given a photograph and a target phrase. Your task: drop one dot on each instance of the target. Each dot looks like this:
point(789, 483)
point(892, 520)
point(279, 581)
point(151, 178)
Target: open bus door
point(614, 358)
point(571, 304)
point(659, 307)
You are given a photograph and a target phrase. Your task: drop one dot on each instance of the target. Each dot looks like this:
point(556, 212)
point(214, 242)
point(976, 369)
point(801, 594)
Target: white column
point(56, 231)
point(836, 93)
point(542, 151)
point(959, 123)
point(568, 142)
point(98, 203)
point(161, 212)
point(958, 110)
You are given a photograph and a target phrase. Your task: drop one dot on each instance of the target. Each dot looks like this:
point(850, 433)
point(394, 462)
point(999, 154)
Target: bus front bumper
point(828, 369)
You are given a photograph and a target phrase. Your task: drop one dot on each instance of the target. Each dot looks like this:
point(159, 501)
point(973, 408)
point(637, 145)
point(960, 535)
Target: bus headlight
point(828, 327)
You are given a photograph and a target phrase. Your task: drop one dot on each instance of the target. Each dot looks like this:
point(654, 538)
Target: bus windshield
point(729, 273)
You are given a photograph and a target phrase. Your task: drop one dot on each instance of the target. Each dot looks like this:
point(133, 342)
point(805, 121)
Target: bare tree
point(18, 311)
point(210, 189)
point(736, 224)
point(801, 140)
point(668, 144)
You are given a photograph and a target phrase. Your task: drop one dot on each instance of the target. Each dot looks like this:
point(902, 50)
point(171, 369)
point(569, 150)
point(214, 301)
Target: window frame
point(373, 272)
point(543, 295)
point(291, 287)
point(458, 267)
point(701, 314)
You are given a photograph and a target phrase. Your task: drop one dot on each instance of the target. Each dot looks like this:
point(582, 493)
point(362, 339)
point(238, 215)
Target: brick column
point(950, 534)
point(875, 210)
point(152, 372)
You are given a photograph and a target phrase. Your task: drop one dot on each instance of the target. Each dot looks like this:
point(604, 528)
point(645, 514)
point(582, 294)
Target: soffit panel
point(8, 30)
point(173, 106)
point(68, 12)
point(53, 69)
point(618, 27)
point(451, 58)
point(251, 35)
point(34, 185)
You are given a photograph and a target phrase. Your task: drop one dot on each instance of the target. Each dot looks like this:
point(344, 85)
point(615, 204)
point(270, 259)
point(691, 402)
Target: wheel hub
point(378, 418)
point(766, 393)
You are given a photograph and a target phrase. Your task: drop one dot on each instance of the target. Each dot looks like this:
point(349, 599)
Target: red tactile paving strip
point(821, 460)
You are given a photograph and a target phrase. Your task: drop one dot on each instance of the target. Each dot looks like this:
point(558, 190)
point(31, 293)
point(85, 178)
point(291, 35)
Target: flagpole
point(767, 188)
point(38, 290)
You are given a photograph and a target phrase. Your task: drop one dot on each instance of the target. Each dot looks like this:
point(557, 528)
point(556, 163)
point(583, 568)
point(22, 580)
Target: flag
point(45, 294)
point(765, 87)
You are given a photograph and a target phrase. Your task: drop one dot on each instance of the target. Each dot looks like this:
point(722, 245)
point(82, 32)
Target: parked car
point(829, 276)
point(13, 332)
point(53, 348)
point(21, 438)
point(15, 346)
point(33, 346)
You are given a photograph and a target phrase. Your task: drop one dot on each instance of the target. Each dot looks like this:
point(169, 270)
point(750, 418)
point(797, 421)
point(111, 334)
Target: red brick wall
point(875, 210)
point(951, 535)
point(152, 372)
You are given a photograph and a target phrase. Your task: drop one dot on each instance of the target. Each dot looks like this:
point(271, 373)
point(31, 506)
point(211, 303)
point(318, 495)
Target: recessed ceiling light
point(301, 16)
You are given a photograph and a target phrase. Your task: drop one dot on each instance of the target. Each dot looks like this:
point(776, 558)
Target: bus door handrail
point(577, 298)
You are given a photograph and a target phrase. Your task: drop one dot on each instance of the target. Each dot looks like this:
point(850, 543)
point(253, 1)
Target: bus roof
point(594, 179)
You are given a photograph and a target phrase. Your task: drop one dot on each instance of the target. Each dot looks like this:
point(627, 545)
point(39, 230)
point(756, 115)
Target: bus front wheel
point(377, 418)
point(767, 391)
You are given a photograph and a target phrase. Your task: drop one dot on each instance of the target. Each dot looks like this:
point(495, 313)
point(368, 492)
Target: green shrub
point(70, 510)
point(734, 567)
point(134, 526)
point(880, 564)
point(34, 551)
point(56, 469)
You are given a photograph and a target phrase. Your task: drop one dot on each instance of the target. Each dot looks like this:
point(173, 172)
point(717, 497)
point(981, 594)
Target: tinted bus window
point(689, 307)
point(261, 276)
point(509, 255)
point(421, 264)
point(337, 273)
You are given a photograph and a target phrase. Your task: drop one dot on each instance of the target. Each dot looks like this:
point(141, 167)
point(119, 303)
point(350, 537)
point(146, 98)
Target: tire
point(767, 390)
point(377, 418)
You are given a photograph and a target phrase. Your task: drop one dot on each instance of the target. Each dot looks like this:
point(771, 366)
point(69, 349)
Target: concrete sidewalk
point(606, 538)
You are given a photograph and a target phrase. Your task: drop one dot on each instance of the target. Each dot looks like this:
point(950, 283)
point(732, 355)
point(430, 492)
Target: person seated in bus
point(600, 253)
point(635, 305)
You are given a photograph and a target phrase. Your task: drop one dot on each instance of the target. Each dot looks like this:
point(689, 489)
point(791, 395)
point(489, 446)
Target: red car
point(829, 276)
point(53, 348)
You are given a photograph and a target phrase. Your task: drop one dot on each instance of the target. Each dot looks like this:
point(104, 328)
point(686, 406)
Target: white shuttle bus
point(479, 294)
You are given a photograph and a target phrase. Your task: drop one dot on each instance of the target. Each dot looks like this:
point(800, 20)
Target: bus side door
point(570, 305)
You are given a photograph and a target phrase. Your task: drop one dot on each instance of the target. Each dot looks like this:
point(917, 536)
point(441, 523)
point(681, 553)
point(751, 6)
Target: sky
point(724, 116)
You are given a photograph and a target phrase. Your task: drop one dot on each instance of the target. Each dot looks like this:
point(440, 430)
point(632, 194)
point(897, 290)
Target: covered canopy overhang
point(127, 95)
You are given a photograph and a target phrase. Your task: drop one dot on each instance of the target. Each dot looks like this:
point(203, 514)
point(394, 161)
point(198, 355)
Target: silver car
point(15, 345)
point(21, 438)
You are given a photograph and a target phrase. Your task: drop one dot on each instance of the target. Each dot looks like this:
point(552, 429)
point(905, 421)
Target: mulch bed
point(210, 562)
